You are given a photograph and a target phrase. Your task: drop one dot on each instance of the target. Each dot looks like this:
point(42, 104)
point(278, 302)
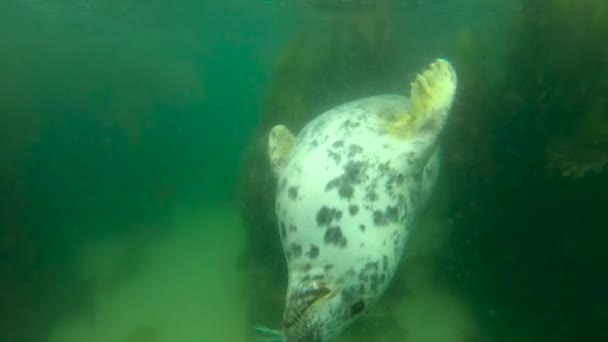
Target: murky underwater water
point(183, 285)
point(137, 202)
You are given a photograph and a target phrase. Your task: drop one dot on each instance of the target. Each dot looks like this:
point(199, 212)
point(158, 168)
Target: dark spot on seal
point(345, 191)
point(374, 282)
point(372, 265)
point(292, 192)
point(371, 195)
point(293, 228)
point(338, 143)
point(362, 227)
point(379, 219)
point(334, 236)
point(335, 156)
point(354, 149)
point(353, 209)
point(401, 201)
point(393, 181)
point(313, 252)
point(385, 262)
point(389, 187)
point(283, 229)
point(332, 184)
point(384, 167)
point(352, 170)
point(348, 124)
point(353, 174)
point(296, 250)
point(328, 267)
point(361, 289)
point(390, 215)
point(417, 177)
point(325, 216)
point(318, 277)
point(348, 294)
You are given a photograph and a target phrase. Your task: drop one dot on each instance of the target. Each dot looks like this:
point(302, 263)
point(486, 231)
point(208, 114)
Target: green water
point(126, 212)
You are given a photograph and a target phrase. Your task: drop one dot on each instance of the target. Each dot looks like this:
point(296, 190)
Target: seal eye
point(357, 308)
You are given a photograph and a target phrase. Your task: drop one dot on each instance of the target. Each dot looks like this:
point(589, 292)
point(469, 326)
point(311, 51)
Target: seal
point(349, 188)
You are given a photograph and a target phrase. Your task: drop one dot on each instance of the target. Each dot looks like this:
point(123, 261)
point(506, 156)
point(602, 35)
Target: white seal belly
point(349, 187)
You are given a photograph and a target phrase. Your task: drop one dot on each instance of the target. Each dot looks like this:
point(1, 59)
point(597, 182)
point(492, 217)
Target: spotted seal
point(349, 186)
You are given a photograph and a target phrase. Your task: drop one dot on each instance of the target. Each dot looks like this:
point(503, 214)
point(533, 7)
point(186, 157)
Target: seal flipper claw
point(432, 93)
point(280, 141)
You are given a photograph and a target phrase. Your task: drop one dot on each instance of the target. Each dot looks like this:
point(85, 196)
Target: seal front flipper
point(431, 96)
point(280, 142)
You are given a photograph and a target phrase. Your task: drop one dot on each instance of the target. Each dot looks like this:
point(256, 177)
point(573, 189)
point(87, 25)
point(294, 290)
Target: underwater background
point(136, 199)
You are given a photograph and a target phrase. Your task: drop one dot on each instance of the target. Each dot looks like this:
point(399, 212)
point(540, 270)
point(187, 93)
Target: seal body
point(349, 188)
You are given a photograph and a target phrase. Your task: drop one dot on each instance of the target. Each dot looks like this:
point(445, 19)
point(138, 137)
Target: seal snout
point(301, 301)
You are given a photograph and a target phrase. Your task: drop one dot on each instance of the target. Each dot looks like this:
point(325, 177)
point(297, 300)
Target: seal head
point(349, 187)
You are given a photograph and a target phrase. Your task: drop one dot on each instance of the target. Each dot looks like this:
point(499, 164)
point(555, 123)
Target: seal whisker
point(268, 335)
point(371, 320)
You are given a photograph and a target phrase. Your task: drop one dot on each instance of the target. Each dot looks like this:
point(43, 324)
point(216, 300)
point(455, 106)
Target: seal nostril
point(357, 308)
point(319, 293)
